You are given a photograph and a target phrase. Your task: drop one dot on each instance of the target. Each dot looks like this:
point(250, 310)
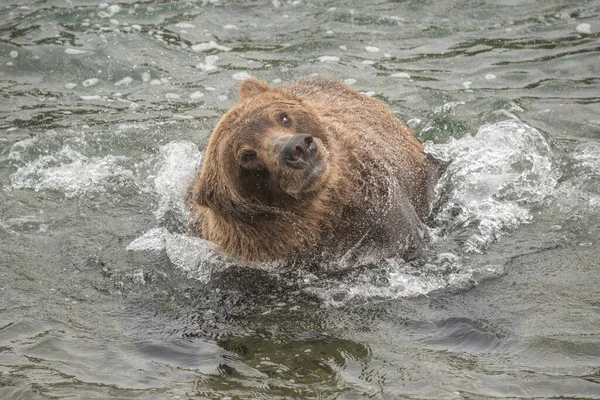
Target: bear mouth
point(313, 174)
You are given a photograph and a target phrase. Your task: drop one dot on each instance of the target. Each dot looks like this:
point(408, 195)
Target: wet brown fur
point(372, 197)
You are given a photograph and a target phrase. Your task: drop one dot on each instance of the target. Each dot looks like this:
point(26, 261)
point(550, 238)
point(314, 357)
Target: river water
point(104, 295)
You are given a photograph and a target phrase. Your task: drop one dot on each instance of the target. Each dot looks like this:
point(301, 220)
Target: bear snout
point(299, 151)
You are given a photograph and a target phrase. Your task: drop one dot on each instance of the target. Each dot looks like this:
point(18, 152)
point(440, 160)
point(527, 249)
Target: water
point(105, 109)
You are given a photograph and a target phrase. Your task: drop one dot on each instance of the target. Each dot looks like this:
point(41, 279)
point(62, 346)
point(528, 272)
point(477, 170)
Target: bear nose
point(298, 150)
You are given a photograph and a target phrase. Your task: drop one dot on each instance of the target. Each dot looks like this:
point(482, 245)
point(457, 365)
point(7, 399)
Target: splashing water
point(493, 177)
point(582, 193)
point(191, 254)
point(71, 173)
point(491, 183)
point(177, 163)
point(395, 278)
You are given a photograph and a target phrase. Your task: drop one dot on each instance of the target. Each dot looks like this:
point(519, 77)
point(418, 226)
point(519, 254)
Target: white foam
point(185, 25)
point(108, 10)
point(492, 178)
point(212, 45)
point(395, 18)
point(490, 77)
point(124, 82)
point(413, 123)
point(404, 75)
point(71, 51)
point(172, 96)
point(350, 81)
point(209, 63)
point(372, 49)
point(196, 95)
point(113, 9)
point(90, 82)
point(240, 76)
point(71, 173)
point(329, 59)
point(13, 54)
point(70, 85)
point(584, 28)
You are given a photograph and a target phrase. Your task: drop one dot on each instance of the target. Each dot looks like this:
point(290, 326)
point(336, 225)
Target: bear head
point(268, 154)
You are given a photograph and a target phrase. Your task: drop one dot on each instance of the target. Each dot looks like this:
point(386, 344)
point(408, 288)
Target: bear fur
point(312, 169)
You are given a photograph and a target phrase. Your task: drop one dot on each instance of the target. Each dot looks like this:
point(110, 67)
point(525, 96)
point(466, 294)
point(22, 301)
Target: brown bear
point(312, 169)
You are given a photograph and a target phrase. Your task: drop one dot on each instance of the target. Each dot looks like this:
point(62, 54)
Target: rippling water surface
point(105, 107)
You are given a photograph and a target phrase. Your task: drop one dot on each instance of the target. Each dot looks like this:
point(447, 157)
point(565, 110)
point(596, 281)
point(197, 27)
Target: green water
point(102, 294)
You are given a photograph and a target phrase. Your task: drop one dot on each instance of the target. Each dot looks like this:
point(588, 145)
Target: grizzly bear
point(312, 169)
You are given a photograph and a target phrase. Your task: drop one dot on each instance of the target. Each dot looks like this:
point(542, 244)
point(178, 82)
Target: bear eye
point(247, 156)
point(285, 119)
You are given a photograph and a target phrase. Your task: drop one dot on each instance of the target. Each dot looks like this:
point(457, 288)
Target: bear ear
point(252, 87)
